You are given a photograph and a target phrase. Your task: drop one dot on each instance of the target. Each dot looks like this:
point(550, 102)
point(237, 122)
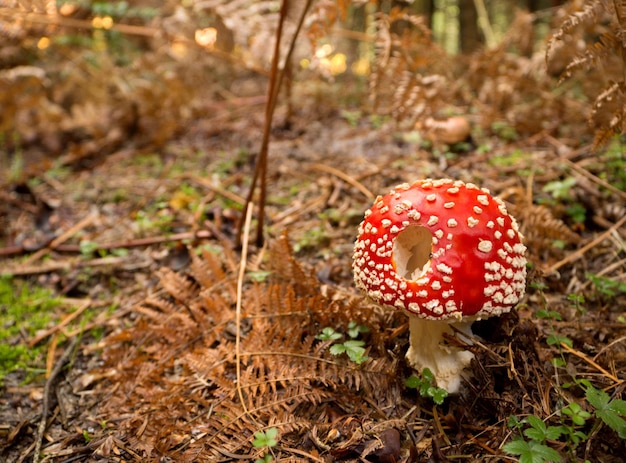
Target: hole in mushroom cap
point(411, 251)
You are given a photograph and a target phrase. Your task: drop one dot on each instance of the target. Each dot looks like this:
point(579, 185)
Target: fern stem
point(242, 271)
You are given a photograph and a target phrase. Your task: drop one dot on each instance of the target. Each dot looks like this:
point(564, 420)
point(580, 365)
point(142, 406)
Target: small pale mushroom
point(447, 253)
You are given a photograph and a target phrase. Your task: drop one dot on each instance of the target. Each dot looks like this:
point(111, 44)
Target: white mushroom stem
point(429, 349)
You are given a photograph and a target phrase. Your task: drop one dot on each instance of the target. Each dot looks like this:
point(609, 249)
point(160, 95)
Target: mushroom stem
point(430, 350)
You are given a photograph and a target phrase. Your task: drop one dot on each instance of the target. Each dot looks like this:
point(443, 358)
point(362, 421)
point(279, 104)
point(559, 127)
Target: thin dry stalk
point(242, 272)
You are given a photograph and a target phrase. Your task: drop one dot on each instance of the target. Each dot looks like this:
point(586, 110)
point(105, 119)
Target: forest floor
point(131, 334)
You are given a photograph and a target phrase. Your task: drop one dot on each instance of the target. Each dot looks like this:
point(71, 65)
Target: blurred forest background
point(82, 78)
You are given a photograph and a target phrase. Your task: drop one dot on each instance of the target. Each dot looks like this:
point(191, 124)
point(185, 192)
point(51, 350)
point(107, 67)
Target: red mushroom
point(447, 253)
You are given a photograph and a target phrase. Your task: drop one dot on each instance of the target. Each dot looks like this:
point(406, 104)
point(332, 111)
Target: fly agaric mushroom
point(447, 253)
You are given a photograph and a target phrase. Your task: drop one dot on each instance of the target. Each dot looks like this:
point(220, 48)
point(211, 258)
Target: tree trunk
point(424, 8)
point(470, 37)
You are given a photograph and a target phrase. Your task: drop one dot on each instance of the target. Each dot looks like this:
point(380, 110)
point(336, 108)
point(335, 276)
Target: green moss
point(23, 311)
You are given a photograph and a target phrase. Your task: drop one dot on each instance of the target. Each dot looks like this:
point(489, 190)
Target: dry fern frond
point(178, 363)
point(399, 84)
point(539, 225)
point(606, 52)
point(589, 14)
point(541, 228)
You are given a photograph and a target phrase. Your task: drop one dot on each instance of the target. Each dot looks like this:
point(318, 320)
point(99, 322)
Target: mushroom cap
point(441, 249)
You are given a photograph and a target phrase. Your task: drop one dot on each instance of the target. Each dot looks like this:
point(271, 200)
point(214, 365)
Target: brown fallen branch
point(580, 252)
point(62, 238)
point(66, 321)
point(345, 177)
point(67, 265)
point(41, 429)
point(134, 243)
point(591, 362)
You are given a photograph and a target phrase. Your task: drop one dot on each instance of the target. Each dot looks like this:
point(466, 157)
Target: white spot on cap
point(452, 223)
point(519, 248)
point(386, 223)
point(443, 268)
point(439, 233)
point(413, 214)
point(436, 285)
point(497, 234)
point(431, 197)
point(472, 222)
point(453, 190)
point(510, 233)
point(478, 210)
point(394, 229)
point(433, 219)
point(485, 246)
point(483, 199)
point(500, 221)
point(490, 224)
point(449, 205)
point(490, 290)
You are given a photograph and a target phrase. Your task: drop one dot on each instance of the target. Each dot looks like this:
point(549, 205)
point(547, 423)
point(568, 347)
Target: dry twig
point(41, 429)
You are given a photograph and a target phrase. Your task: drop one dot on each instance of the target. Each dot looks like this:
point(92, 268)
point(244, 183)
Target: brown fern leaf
point(605, 49)
point(608, 113)
point(179, 362)
point(541, 229)
point(595, 54)
point(589, 14)
point(405, 51)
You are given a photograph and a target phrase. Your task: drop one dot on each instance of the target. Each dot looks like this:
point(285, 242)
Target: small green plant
point(554, 338)
point(329, 334)
point(425, 386)
point(353, 348)
point(611, 412)
point(606, 286)
point(504, 130)
point(531, 445)
point(560, 189)
point(577, 212)
point(312, 238)
point(560, 192)
point(577, 301)
point(611, 165)
point(265, 439)
point(354, 329)
point(533, 450)
point(353, 117)
point(578, 417)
